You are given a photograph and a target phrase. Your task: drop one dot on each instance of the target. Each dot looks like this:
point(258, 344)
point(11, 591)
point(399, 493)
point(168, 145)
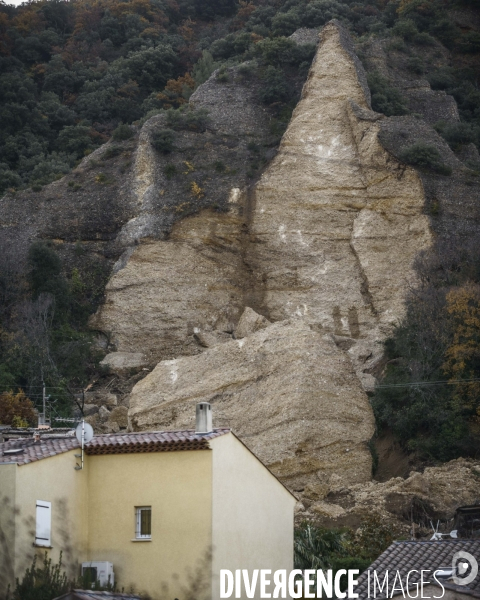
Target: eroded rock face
point(171, 290)
point(329, 234)
point(289, 393)
point(337, 221)
point(323, 247)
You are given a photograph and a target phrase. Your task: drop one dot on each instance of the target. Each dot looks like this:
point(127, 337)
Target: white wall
point(252, 513)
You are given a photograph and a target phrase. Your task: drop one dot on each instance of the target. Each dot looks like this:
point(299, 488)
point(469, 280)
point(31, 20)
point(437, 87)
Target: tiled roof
point(93, 595)
point(114, 443)
point(410, 556)
point(151, 441)
point(31, 451)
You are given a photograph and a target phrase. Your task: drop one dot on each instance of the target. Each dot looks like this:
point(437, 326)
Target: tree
point(463, 354)
point(45, 274)
point(16, 409)
point(314, 547)
point(204, 67)
point(74, 139)
point(436, 341)
point(151, 68)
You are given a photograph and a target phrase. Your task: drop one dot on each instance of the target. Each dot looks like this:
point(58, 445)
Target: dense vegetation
point(71, 72)
point(319, 548)
point(43, 331)
point(438, 341)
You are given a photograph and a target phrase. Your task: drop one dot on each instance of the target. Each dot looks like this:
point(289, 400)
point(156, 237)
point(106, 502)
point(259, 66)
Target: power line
point(420, 383)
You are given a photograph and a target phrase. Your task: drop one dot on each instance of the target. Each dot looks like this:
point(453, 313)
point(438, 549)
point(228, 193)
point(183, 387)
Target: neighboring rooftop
point(26, 450)
point(93, 595)
point(409, 556)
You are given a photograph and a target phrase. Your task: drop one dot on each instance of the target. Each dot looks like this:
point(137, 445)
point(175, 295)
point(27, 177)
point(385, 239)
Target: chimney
point(203, 418)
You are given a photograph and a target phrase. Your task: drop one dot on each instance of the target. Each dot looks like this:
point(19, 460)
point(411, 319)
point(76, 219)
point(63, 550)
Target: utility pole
point(44, 404)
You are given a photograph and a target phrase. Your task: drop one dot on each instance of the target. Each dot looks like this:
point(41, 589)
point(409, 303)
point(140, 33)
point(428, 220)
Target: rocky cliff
point(265, 292)
point(322, 246)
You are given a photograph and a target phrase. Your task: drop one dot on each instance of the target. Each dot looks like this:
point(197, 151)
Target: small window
point(143, 522)
point(43, 525)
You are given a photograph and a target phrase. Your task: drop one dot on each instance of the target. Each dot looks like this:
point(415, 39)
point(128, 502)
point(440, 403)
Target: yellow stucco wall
point(54, 480)
point(252, 513)
point(223, 499)
point(7, 525)
point(178, 487)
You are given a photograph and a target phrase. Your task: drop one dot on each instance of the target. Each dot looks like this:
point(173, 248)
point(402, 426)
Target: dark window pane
point(146, 521)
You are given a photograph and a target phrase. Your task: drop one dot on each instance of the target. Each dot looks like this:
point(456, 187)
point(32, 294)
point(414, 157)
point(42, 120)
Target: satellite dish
point(87, 432)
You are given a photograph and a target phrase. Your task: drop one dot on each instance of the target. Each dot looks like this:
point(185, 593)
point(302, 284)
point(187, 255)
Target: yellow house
point(164, 511)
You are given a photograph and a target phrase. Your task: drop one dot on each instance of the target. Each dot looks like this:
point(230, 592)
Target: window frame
point(138, 523)
point(43, 524)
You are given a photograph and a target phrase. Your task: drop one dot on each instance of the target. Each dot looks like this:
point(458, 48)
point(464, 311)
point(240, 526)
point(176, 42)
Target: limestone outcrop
point(323, 247)
point(337, 221)
point(289, 393)
point(171, 290)
point(329, 234)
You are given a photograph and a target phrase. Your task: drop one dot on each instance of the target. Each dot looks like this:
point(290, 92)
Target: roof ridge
point(147, 431)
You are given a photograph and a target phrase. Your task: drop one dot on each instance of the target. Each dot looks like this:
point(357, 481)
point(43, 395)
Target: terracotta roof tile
point(409, 556)
point(114, 443)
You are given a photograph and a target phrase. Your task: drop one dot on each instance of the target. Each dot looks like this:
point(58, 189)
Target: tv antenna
point(437, 535)
point(83, 433)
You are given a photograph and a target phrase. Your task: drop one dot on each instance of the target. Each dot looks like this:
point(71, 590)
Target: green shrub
point(282, 52)
point(222, 76)
point(162, 140)
point(349, 562)
point(8, 178)
point(406, 29)
point(445, 31)
point(111, 152)
point(122, 132)
point(314, 547)
point(385, 98)
point(424, 39)
point(399, 45)
point(247, 69)
point(204, 67)
point(170, 171)
point(425, 156)
point(442, 79)
point(274, 88)
point(104, 179)
point(458, 134)
point(416, 65)
point(42, 583)
point(194, 120)
point(470, 42)
point(45, 274)
point(285, 23)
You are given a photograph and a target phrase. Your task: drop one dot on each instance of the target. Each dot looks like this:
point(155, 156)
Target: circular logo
point(465, 566)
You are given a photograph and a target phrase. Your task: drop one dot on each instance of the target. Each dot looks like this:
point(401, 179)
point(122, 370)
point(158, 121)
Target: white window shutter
point(43, 529)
